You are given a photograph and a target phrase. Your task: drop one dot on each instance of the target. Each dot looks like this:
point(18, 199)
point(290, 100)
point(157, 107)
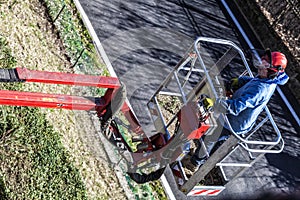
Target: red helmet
point(279, 61)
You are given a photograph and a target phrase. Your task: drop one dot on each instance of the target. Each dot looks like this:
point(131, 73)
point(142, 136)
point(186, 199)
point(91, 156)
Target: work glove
point(234, 84)
point(208, 103)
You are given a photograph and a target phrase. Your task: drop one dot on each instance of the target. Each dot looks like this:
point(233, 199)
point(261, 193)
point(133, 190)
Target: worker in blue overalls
point(246, 104)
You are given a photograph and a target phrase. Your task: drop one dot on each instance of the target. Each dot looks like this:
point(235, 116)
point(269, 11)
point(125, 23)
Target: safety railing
point(244, 142)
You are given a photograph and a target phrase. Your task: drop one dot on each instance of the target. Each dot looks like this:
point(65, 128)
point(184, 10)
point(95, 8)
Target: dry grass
point(35, 46)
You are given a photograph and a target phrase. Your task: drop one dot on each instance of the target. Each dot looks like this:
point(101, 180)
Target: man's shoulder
point(257, 86)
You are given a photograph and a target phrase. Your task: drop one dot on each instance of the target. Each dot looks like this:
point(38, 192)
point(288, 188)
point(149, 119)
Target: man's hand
point(232, 86)
point(208, 103)
point(234, 83)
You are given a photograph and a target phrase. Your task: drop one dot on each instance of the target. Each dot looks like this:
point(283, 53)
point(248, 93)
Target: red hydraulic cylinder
point(15, 98)
point(67, 78)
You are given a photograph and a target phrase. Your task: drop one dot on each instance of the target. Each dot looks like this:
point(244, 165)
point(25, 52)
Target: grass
point(76, 39)
point(67, 19)
point(42, 153)
point(34, 164)
point(6, 59)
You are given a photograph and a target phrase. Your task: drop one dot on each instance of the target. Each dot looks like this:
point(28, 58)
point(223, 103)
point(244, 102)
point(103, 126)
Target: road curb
point(102, 54)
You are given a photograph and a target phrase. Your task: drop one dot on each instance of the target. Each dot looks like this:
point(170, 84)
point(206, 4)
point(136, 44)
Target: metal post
point(77, 59)
point(59, 13)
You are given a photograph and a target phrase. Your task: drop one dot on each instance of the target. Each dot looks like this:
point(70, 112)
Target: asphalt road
point(145, 39)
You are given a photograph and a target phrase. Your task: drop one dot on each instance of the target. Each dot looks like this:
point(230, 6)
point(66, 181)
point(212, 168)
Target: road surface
point(143, 40)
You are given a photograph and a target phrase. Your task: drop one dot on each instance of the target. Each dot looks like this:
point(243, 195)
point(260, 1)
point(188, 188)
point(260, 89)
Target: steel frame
point(217, 159)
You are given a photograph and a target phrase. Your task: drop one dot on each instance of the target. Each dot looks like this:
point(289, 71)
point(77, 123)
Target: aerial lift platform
point(177, 113)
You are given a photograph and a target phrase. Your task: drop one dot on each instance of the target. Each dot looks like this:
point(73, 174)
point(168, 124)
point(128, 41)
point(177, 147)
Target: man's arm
point(248, 99)
point(243, 80)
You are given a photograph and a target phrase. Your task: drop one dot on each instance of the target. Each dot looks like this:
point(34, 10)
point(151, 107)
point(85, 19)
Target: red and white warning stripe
point(206, 191)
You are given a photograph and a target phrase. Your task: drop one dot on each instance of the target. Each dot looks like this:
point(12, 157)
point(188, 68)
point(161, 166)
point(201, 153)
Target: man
point(246, 103)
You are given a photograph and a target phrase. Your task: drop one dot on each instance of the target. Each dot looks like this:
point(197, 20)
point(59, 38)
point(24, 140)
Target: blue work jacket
point(248, 101)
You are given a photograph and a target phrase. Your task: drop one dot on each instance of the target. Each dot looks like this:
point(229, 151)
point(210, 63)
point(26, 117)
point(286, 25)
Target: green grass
point(6, 60)
point(76, 39)
point(34, 164)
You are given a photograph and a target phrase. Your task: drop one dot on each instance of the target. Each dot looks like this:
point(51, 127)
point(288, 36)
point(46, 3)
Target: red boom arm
point(17, 98)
